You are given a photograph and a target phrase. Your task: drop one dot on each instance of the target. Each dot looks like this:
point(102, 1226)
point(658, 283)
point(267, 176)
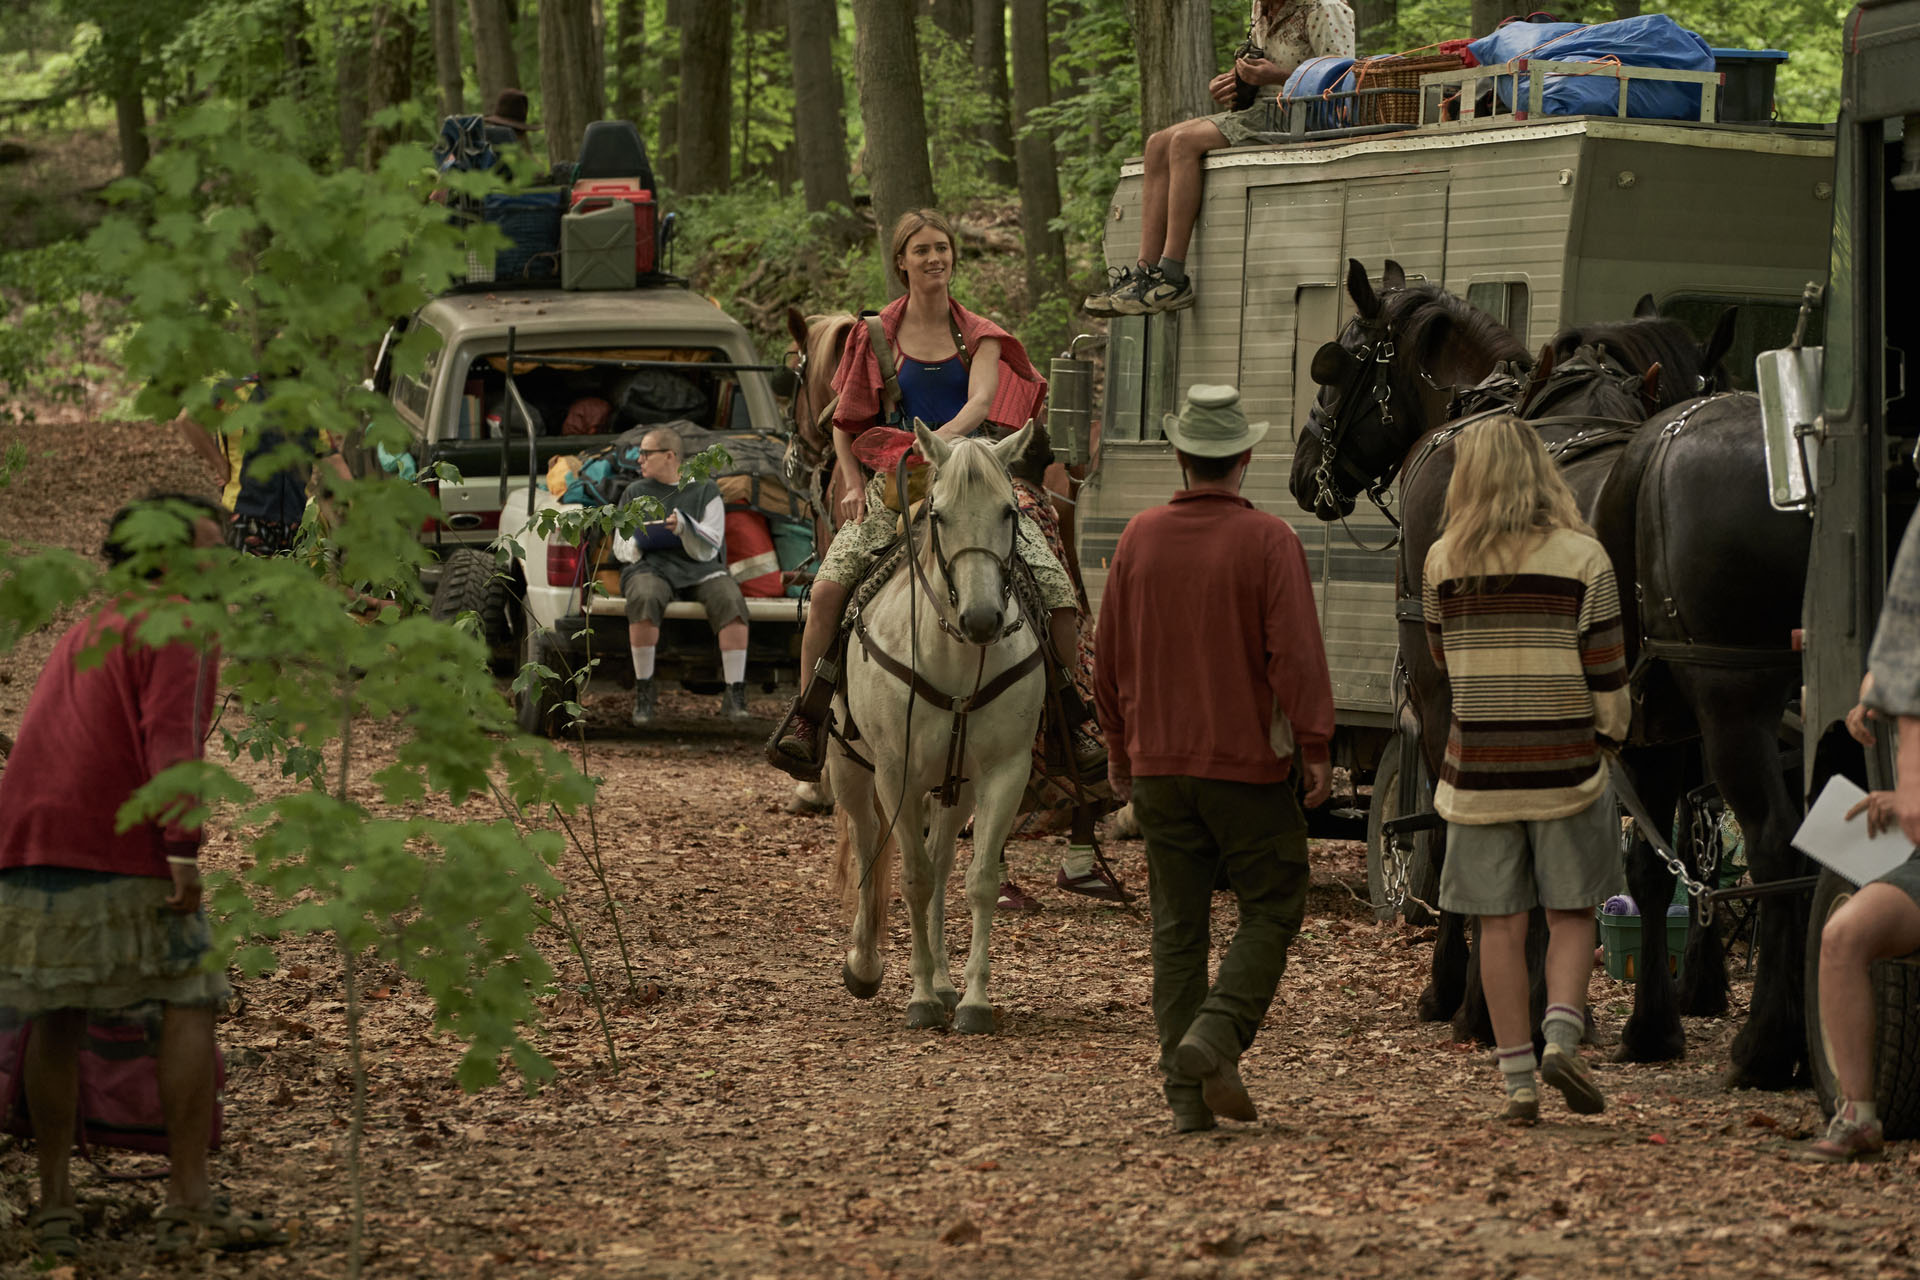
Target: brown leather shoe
point(1219, 1077)
point(1015, 900)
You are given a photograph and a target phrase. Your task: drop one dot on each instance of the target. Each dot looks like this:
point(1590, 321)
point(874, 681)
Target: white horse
point(945, 683)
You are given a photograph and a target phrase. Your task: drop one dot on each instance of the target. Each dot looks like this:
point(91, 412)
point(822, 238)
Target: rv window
point(1126, 366)
point(1161, 395)
point(1505, 301)
point(1760, 324)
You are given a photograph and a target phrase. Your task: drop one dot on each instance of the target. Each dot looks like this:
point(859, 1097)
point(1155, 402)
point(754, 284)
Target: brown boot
point(795, 747)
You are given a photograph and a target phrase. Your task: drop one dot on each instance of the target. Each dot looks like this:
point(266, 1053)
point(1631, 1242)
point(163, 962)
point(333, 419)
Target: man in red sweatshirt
point(1211, 682)
point(97, 918)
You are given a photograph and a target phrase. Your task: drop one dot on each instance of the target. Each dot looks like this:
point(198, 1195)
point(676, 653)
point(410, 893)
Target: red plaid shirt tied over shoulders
point(857, 382)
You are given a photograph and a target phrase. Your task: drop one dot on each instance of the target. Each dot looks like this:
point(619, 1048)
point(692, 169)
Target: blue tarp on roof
point(1650, 40)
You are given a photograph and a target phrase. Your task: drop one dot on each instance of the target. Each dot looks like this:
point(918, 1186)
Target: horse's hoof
point(973, 1020)
point(1638, 1044)
point(1772, 1072)
point(860, 988)
point(948, 997)
point(924, 1015)
point(1429, 1008)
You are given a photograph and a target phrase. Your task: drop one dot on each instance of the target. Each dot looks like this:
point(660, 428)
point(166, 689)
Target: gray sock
point(1516, 1067)
point(1563, 1026)
point(1174, 269)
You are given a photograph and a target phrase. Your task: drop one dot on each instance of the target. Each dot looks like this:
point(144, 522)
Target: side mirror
point(1789, 383)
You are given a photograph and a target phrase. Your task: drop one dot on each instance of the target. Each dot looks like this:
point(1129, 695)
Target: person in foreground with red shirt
point(94, 918)
point(1211, 680)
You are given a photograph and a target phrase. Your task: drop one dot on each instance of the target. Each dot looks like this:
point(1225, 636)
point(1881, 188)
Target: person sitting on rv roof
point(958, 372)
point(682, 555)
point(1282, 35)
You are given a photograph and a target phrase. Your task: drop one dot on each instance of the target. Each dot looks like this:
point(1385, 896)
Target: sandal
point(54, 1231)
point(182, 1230)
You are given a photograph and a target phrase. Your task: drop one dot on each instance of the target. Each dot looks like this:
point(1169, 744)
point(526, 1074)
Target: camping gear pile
point(591, 224)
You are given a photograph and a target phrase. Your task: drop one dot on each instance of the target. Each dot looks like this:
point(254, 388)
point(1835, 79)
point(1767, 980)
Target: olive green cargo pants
point(1195, 829)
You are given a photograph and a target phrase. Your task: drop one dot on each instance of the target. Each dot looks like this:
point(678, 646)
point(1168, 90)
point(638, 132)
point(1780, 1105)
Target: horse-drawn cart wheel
point(1896, 1023)
point(1383, 808)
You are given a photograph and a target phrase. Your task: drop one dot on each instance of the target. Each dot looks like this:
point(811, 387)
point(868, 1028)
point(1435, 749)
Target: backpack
point(119, 1080)
point(463, 146)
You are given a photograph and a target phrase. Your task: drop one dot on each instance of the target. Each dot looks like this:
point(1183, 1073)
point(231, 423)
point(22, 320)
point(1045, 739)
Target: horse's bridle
point(945, 563)
point(1374, 362)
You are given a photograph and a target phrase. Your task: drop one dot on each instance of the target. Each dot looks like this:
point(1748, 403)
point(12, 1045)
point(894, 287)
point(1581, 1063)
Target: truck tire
point(470, 581)
point(537, 706)
point(1384, 806)
point(1896, 1023)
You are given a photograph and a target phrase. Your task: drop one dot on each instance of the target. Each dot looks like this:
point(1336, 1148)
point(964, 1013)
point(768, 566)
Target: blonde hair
point(912, 223)
point(1505, 490)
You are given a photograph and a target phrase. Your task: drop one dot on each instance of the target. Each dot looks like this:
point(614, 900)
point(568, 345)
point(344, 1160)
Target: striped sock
point(1563, 1026)
point(1516, 1067)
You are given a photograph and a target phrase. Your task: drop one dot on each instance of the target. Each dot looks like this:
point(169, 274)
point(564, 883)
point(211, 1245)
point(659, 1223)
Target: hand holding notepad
point(1844, 841)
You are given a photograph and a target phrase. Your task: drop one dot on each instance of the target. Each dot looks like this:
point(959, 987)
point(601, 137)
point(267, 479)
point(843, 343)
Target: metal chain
point(1696, 889)
point(1396, 872)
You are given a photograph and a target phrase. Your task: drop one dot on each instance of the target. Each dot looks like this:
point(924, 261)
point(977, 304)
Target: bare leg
point(53, 1098)
point(733, 637)
point(1503, 976)
point(642, 635)
point(1063, 628)
point(1879, 922)
point(1153, 197)
point(1569, 958)
point(1190, 143)
point(186, 1098)
point(828, 602)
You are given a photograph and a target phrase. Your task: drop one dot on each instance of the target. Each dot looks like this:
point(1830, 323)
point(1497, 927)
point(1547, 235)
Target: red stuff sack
point(119, 1080)
point(602, 193)
point(750, 554)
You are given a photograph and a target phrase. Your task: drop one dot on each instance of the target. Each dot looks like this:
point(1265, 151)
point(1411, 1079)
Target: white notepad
point(1844, 847)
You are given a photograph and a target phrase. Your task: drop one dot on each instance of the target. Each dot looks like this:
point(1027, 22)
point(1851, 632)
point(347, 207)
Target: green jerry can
point(596, 249)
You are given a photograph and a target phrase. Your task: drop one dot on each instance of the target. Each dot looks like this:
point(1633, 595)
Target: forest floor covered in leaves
point(761, 1122)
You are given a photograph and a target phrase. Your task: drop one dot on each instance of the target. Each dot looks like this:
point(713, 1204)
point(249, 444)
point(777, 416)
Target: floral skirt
point(73, 939)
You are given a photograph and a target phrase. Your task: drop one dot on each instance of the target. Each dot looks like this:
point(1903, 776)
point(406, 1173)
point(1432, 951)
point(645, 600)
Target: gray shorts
point(1905, 877)
point(1564, 864)
point(648, 595)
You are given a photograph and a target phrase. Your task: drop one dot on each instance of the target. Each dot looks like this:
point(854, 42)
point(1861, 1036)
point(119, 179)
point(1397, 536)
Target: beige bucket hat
point(1212, 424)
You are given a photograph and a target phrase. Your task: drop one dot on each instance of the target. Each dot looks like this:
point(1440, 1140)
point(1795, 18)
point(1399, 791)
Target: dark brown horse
point(1680, 502)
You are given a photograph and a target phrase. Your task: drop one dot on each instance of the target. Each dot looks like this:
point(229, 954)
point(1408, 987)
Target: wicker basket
point(1401, 77)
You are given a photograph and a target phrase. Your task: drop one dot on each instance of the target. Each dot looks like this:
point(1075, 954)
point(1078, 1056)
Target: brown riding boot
point(798, 747)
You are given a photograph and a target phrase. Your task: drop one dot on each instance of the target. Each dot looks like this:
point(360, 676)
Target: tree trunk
point(494, 66)
point(1374, 23)
point(706, 97)
point(629, 57)
point(350, 89)
point(1039, 180)
point(130, 115)
point(389, 73)
point(990, 61)
point(886, 61)
point(819, 104)
point(955, 17)
point(567, 77)
point(1173, 43)
point(1488, 13)
point(446, 56)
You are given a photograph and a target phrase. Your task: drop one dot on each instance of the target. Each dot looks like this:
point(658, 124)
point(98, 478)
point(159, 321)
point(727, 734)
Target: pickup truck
point(584, 367)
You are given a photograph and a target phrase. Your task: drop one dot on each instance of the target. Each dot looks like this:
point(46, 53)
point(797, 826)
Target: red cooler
point(602, 193)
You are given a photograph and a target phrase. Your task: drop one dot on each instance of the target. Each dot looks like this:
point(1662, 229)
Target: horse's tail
point(851, 878)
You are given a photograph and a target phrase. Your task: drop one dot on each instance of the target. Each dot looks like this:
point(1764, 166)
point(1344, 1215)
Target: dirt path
point(763, 1123)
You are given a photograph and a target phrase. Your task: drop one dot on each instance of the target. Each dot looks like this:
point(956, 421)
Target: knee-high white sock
point(733, 662)
point(642, 661)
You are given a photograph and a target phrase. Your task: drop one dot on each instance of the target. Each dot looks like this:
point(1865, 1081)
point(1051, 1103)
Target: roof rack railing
point(1466, 83)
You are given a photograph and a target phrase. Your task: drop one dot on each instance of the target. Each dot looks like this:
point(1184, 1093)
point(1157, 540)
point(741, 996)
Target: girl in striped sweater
point(1523, 618)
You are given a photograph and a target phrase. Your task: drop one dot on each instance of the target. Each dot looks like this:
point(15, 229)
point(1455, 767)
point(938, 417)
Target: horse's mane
point(827, 336)
point(1641, 343)
point(971, 474)
point(1423, 314)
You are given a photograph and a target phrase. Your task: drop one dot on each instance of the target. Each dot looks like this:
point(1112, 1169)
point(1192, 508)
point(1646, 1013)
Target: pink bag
point(119, 1080)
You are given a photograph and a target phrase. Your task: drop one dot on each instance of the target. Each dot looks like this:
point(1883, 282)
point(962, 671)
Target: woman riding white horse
point(945, 682)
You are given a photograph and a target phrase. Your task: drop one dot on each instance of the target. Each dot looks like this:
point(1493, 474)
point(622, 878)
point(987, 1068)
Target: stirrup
point(792, 765)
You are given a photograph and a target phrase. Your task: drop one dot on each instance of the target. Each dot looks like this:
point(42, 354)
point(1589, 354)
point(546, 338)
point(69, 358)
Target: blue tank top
point(933, 392)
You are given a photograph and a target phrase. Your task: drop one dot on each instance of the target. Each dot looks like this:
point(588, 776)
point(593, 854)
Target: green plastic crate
point(1620, 940)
